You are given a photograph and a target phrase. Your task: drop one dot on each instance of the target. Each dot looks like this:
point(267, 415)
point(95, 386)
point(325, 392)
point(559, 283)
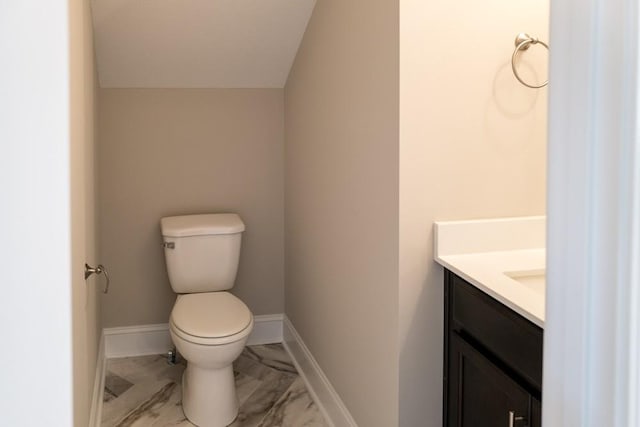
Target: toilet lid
point(211, 314)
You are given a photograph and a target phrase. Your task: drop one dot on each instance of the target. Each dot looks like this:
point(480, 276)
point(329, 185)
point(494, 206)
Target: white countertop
point(482, 251)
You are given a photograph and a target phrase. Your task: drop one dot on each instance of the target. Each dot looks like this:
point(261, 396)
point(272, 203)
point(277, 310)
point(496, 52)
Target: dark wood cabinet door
point(536, 413)
point(503, 333)
point(480, 394)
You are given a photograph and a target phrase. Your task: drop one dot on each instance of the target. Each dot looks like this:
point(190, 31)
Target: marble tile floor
point(145, 391)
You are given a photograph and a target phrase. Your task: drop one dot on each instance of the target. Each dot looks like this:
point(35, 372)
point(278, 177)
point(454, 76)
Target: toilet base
point(209, 396)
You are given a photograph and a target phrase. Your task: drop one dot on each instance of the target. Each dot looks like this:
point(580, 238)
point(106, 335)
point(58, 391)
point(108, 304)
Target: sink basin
point(532, 279)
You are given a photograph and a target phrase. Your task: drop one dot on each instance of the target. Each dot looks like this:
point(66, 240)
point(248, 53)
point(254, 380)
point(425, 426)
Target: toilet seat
point(211, 318)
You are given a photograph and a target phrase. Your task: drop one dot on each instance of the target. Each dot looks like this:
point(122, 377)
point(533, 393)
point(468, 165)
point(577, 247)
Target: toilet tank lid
point(201, 225)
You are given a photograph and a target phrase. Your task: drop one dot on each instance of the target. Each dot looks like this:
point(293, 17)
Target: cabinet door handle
point(513, 418)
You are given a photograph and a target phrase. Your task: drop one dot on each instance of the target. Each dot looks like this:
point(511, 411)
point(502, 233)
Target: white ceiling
point(197, 43)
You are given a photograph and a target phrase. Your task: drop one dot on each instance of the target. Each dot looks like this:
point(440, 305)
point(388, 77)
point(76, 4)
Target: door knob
point(88, 271)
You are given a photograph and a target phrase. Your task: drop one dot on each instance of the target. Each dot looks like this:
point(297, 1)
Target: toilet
point(209, 326)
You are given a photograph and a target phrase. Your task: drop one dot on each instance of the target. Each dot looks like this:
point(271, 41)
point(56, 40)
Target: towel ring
point(524, 42)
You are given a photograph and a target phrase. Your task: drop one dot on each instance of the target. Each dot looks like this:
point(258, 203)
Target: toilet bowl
point(210, 347)
point(208, 325)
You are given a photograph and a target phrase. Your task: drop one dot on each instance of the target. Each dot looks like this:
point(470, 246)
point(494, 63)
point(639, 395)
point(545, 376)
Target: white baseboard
point(323, 393)
point(155, 339)
point(140, 340)
point(95, 416)
point(267, 329)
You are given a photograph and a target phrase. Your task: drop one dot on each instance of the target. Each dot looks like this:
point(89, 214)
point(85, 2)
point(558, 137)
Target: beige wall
point(85, 301)
point(172, 152)
point(341, 204)
point(472, 145)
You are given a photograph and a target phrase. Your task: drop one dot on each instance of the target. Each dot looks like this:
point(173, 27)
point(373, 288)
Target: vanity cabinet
point(492, 361)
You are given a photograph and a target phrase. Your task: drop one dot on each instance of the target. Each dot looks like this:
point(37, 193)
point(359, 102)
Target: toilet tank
point(202, 251)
